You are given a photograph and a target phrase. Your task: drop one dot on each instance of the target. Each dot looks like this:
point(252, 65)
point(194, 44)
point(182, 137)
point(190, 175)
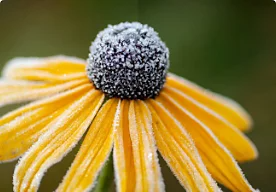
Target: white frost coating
point(215, 140)
point(26, 117)
point(145, 162)
point(8, 86)
point(88, 189)
point(216, 115)
point(85, 152)
point(115, 163)
point(150, 134)
point(37, 93)
point(216, 97)
point(135, 145)
point(11, 82)
point(194, 174)
point(30, 139)
point(115, 152)
point(233, 104)
point(116, 121)
point(30, 62)
point(70, 113)
point(20, 62)
point(128, 60)
point(114, 125)
point(42, 102)
point(191, 146)
point(66, 150)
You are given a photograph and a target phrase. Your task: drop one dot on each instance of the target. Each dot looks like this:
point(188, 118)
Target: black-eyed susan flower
point(129, 103)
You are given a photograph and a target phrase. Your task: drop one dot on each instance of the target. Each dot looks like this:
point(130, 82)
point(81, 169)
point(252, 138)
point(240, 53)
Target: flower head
point(129, 61)
point(197, 132)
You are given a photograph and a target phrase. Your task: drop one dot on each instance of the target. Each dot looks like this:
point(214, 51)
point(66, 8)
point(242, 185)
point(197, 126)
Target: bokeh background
point(227, 46)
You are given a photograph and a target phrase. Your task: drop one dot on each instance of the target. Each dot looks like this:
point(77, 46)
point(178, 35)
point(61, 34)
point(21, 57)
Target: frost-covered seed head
point(128, 61)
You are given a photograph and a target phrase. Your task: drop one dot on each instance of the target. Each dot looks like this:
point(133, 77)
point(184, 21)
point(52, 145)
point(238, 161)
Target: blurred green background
point(227, 46)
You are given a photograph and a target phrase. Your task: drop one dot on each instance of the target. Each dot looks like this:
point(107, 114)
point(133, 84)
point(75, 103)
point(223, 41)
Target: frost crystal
point(129, 61)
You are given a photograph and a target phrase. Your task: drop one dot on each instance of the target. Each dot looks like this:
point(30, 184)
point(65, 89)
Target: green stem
point(105, 178)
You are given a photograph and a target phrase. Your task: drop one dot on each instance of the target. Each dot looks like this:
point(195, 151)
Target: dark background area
point(227, 46)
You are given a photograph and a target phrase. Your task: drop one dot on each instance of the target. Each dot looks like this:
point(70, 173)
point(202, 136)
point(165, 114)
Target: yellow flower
point(197, 132)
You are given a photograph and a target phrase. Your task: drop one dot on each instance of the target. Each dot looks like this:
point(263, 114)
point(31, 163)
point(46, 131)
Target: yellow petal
point(135, 156)
point(57, 68)
point(94, 150)
point(215, 156)
point(19, 129)
point(226, 107)
point(15, 142)
point(62, 135)
point(9, 86)
point(56, 100)
point(22, 95)
point(123, 152)
point(178, 150)
point(234, 140)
